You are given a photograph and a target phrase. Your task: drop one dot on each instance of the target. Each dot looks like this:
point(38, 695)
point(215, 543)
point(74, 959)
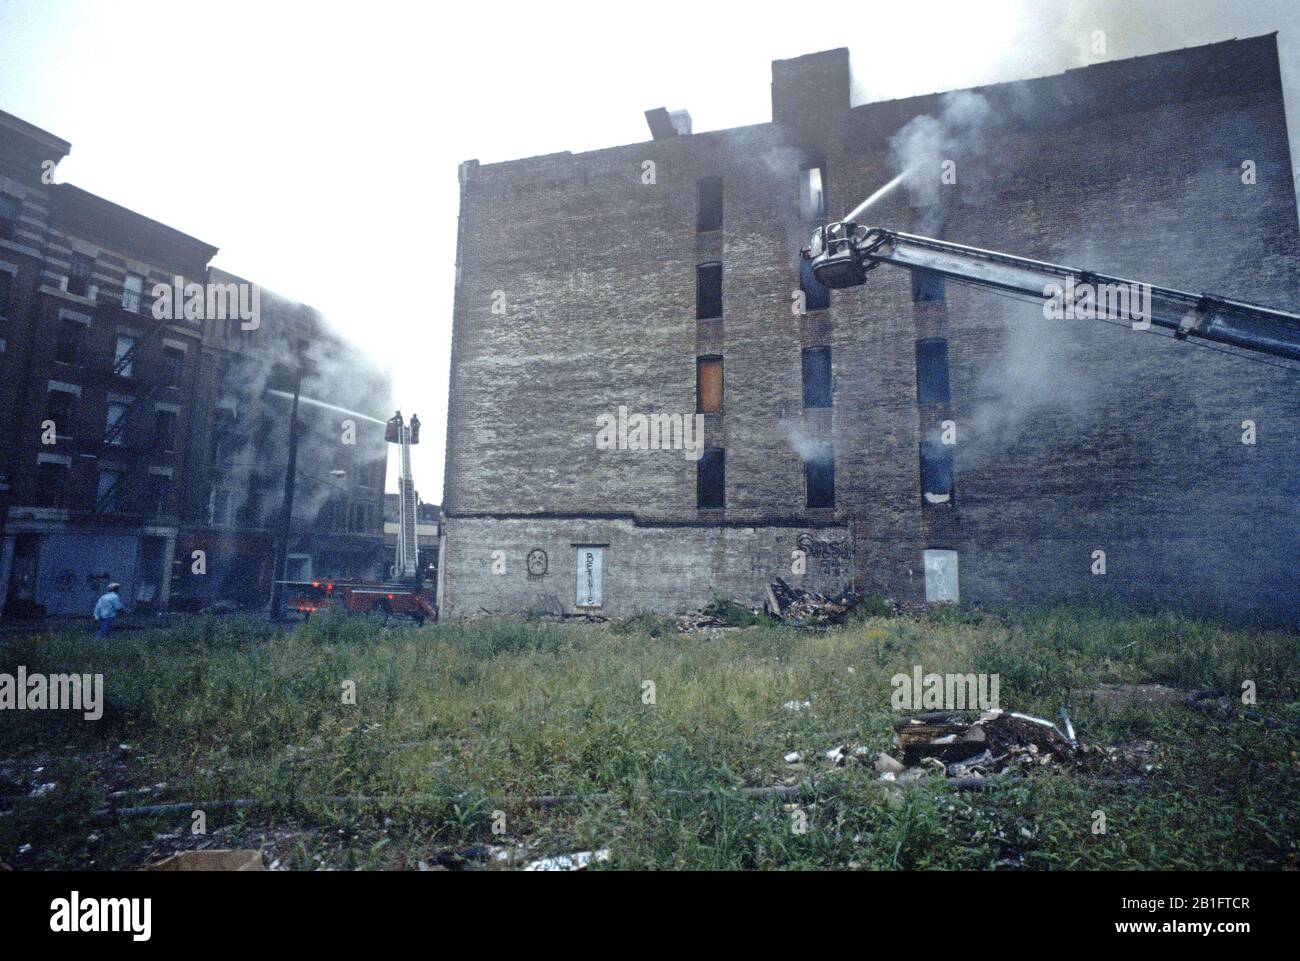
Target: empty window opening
point(58, 408)
point(708, 291)
point(124, 356)
point(816, 295)
point(708, 385)
point(164, 430)
point(708, 204)
point(819, 478)
point(79, 274)
point(106, 495)
point(132, 291)
point(173, 366)
point(927, 286)
point(6, 287)
point(157, 490)
point(51, 485)
point(68, 347)
point(10, 207)
point(218, 507)
point(711, 486)
point(932, 371)
point(817, 377)
point(812, 198)
point(936, 471)
point(115, 424)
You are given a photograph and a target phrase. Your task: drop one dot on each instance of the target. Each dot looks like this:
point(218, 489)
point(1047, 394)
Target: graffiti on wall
point(538, 564)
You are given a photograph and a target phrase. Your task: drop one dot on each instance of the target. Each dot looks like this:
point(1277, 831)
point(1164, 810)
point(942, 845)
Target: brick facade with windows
point(104, 471)
point(1072, 437)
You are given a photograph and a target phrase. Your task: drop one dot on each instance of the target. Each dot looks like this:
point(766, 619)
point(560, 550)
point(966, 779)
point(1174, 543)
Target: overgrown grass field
point(454, 722)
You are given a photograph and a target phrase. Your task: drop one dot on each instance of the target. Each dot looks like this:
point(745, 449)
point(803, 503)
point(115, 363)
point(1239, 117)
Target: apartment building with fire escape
point(117, 422)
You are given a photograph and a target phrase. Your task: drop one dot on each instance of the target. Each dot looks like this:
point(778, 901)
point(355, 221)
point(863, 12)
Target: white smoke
point(927, 148)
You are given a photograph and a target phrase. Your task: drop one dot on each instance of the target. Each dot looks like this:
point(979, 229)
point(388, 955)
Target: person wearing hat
point(107, 608)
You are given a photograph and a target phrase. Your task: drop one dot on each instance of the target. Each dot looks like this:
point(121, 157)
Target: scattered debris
point(42, 789)
point(220, 860)
point(792, 758)
point(961, 744)
point(797, 705)
point(569, 862)
point(806, 608)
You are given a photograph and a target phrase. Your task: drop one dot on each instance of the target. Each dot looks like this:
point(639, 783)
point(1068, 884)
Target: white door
point(589, 561)
point(941, 576)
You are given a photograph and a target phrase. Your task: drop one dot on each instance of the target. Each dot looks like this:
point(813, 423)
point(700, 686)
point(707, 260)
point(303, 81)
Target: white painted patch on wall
point(941, 576)
point(589, 564)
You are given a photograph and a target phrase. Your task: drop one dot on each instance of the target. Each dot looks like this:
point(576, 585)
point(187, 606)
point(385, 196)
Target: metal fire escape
point(106, 503)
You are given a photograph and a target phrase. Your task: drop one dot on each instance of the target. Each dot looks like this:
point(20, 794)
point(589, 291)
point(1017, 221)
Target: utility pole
point(286, 521)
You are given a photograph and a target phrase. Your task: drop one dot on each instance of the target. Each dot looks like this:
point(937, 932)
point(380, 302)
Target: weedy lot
point(452, 723)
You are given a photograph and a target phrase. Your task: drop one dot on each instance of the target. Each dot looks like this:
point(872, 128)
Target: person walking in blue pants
point(107, 608)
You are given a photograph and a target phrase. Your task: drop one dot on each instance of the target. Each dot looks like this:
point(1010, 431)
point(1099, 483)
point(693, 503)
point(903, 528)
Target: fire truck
point(404, 593)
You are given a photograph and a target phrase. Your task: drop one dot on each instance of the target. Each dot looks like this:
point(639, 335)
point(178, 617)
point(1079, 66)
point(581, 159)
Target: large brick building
point(129, 442)
point(659, 277)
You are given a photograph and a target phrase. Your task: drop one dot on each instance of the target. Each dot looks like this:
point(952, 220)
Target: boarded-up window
point(708, 204)
point(941, 576)
point(817, 377)
point(936, 471)
point(708, 291)
point(708, 385)
point(711, 479)
point(819, 477)
point(590, 560)
point(932, 371)
point(816, 295)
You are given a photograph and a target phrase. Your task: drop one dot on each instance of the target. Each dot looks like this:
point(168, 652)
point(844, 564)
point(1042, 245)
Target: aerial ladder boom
point(843, 253)
point(407, 560)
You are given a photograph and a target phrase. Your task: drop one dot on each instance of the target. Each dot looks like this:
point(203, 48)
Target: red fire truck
point(404, 593)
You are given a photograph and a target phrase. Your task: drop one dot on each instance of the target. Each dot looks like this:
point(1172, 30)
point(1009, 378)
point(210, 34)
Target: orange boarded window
point(708, 384)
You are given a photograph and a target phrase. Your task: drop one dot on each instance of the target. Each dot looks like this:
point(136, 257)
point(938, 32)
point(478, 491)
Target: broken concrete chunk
point(569, 862)
point(886, 764)
point(219, 860)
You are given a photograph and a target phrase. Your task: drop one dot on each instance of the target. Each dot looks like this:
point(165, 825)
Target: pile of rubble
point(806, 608)
point(964, 745)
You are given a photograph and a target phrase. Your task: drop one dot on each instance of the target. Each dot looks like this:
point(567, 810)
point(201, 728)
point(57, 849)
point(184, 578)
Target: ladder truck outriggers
point(404, 593)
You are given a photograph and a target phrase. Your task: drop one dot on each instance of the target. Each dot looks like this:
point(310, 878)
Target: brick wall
point(1073, 436)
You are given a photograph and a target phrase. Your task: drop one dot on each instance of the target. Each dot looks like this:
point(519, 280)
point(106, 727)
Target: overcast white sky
point(316, 143)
